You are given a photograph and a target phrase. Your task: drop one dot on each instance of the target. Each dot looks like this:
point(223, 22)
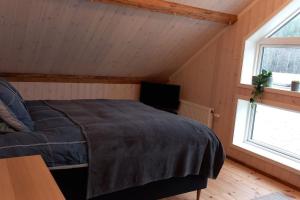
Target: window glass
point(284, 62)
point(291, 29)
point(277, 128)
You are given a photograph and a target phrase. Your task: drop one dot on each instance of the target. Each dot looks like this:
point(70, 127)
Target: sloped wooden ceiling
point(79, 37)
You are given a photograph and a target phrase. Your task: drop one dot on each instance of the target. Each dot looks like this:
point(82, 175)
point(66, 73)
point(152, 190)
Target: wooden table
point(27, 178)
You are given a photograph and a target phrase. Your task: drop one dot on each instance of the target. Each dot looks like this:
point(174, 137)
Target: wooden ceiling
point(79, 37)
point(227, 6)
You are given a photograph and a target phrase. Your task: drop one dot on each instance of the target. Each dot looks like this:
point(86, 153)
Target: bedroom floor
point(237, 182)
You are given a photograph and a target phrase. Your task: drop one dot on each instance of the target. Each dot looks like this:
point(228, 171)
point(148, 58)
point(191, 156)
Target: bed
point(110, 149)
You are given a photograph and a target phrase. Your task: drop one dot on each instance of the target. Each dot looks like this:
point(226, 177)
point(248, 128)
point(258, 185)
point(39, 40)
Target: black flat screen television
point(162, 96)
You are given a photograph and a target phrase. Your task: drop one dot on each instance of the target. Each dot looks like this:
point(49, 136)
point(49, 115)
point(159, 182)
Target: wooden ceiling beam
point(32, 77)
point(176, 9)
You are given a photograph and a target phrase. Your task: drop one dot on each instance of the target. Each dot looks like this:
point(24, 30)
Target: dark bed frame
point(73, 184)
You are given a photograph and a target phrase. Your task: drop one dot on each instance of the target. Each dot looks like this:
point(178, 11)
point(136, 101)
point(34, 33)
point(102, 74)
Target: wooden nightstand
point(27, 178)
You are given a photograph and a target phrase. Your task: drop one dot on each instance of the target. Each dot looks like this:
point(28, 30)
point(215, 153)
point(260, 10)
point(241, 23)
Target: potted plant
point(264, 79)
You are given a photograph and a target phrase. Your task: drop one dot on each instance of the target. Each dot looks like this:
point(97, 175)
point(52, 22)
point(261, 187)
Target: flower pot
point(269, 83)
point(295, 86)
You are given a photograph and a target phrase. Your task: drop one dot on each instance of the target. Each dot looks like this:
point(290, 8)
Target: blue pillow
point(14, 105)
point(10, 86)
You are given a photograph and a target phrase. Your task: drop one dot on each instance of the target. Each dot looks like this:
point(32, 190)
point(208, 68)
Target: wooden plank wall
point(66, 91)
point(80, 37)
point(196, 112)
point(211, 78)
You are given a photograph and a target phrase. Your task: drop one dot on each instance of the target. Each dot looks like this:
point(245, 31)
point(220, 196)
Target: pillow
point(5, 128)
point(13, 111)
point(9, 117)
point(10, 86)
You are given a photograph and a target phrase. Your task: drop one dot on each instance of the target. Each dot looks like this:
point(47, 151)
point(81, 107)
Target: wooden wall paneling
point(226, 74)
point(176, 9)
point(169, 41)
point(68, 49)
point(121, 50)
point(94, 31)
point(189, 41)
point(67, 91)
point(142, 48)
point(167, 44)
point(197, 68)
point(83, 38)
point(107, 39)
point(175, 41)
point(160, 44)
point(33, 40)
point(185, 42)
point(36, 41)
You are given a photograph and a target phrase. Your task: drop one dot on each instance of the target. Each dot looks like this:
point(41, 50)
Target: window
point(279, 52)
point(276, 47)
point(275, 129)
point(272, 128)
point(291, 29)
point(270, 131)
point(283, 61)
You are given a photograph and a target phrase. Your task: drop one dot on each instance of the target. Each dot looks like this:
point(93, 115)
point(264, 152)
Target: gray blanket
point(131, 144)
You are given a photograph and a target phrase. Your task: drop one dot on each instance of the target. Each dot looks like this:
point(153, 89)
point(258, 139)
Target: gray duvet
point(125, 143)
point(131, 144)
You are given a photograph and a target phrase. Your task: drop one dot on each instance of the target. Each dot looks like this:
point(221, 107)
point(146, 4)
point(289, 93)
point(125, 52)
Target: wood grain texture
point(68, 91)
point(176, 9)
point(237, 182)
point(78, 37)
point(27, 178)
point(216, 69)
point(59, 78)
point(228, 6)
point(196, 112)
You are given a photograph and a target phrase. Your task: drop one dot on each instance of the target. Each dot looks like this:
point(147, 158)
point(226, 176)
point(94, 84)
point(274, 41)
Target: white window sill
point(270, 155)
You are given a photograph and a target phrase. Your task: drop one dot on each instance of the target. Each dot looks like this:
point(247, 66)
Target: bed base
point(73, 183)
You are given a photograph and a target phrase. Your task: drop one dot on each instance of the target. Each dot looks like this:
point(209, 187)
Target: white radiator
point(197, 112)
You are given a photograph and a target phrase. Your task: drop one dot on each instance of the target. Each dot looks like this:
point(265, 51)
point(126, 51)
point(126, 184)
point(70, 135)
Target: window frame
point(250, 66)
point(283, 23)
point(268, 41)
point(275, 43)
point(249, 128)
